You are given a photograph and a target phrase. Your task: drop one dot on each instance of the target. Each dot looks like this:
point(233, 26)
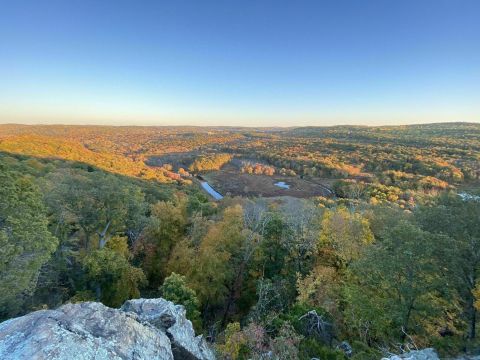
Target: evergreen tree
point(395, 289)
point(175, 289)
point(25, 242)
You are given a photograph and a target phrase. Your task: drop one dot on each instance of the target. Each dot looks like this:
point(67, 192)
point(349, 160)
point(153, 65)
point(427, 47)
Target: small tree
point(112, 276)
point(235, 343)
point(175, 289)
point(285, 345)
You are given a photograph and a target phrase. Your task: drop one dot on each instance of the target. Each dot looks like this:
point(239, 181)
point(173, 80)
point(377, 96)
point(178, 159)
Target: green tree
point(216, 266)
point(110, 274)
point(166, 228)
point(395, 289)
point(285, 345)
point(214, 275)
point(343, 238)
point(272, 255)
point(344, 235)
point(235, 344)
point(25, 241)
point(100, 204)
point(175, 289)
point(459, 219)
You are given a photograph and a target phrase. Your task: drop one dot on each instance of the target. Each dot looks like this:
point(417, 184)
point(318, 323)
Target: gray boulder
point(425, 354)
point(171, 319)
point(81, 331)
point(346, 348)
point(93, 331)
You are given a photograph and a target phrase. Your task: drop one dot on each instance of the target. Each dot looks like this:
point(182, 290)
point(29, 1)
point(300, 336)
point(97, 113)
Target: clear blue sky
point(240, 62)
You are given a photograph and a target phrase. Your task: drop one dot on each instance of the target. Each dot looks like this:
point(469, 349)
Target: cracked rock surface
point(171, 318)
point(425, 354)
point(91, 330)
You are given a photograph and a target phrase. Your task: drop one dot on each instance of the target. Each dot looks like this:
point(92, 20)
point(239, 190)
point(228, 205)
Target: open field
point(229, 181)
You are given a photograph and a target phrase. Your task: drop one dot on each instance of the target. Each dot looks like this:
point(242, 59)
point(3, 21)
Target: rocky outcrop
point(425, 354)
point(141, 329)
point(171, 319)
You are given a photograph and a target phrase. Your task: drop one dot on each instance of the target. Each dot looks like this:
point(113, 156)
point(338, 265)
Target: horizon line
point(239, 126)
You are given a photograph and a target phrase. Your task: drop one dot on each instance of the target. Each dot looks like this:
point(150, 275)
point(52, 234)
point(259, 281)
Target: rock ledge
point(141, 329)
point(425, 354)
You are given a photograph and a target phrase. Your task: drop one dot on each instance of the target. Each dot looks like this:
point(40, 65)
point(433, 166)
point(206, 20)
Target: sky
point(249, 63)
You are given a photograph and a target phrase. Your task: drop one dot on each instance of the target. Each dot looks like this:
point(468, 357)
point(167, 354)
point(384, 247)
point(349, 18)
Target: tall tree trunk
point(472, 282)
point(103, 236)
point(407, 320)
point(234, 292)
point(98, 292)
point(473, 319)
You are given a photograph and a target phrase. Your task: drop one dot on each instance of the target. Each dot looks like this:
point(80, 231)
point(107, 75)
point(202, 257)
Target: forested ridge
point(388, 260)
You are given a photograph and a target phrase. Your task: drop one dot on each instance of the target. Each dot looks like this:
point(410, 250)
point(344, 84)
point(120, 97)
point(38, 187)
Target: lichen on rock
point(425, 354)
point(141, 329)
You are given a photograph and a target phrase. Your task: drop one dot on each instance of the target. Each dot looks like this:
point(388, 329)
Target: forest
point(375, 244)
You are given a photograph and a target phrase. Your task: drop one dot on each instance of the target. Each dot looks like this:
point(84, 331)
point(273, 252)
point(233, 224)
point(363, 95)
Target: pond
point(282, 184)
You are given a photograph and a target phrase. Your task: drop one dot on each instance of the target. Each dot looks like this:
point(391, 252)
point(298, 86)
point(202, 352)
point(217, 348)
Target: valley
point(370, 231)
